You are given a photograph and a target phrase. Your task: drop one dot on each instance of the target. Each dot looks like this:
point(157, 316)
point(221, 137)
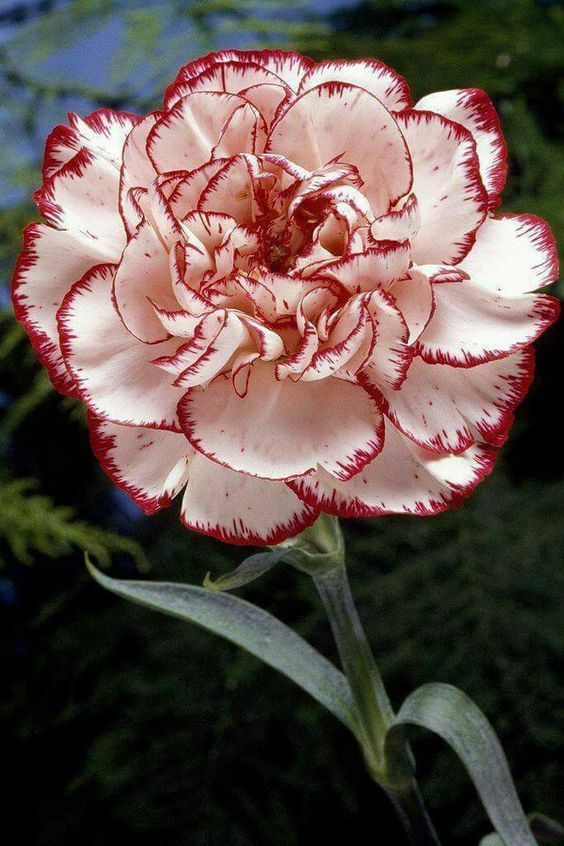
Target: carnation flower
point(287, 292)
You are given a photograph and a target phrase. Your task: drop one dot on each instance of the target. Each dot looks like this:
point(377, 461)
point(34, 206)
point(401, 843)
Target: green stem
point(373, 706)
point(374, 711)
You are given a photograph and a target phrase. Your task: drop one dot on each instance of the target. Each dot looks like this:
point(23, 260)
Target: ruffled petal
point(51, 261)
point(391, 356)
point(345, 339)
point(190, 134)
point(415, 299)
point(471, 325)
point(112, 369)
point(287, 65)
point(474, 110)
point(513, 254)
point(446, 409)
point(374, 76)
point(446, 181)
point(402, 479)
point(82, 197)
point(401, 224)
point(230, 77)
point(241, 509)
point(151, 465)
point(137, 170)
point(142, 280)
point(282, 429)
point(322, 124)
point(376, 267)
point(103, 133)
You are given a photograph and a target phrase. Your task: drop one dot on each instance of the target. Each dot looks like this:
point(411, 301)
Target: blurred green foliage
point(122, 726)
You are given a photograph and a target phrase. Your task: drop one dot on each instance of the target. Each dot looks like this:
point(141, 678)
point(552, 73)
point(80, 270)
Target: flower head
point(286, 292)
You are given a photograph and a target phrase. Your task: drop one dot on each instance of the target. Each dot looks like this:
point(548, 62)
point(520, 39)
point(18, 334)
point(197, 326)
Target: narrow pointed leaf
point(250, 569)
point(449, 713)
point(249, 627)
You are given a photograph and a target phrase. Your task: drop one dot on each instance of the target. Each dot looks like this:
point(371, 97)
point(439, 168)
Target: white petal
point(323, 123)
point(282, 429)
point(474, 110)
point(402, 479)
point(513, 254)
point(446, 409)
point(446, 181)
point(237, 508)
point(151, 465)
point(374, 76)
point(112, 368)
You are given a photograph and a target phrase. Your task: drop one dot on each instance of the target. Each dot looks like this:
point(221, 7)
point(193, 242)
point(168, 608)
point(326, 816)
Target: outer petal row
point(447, 409)
point(473, 109)
point(111, 368)
point(402, 479)
point(153, 466)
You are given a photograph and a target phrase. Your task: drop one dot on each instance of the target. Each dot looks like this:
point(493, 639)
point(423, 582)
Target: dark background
point(121, 726)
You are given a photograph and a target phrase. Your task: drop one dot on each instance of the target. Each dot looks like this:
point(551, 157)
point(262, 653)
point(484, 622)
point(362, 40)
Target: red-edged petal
point(230, 191)
point(346, 337)
point(282, 429)
point(50, 263)
point(62, 144)
point(402, 479)
point(323, 123)
point(513, 254)
point(472, 108)
point(289, 66)
point(149, 464)
point(231, 337)
point(231, 77)
point(103, 133)
point(184, 188)
point(415, 299)
point(143, 279)
point(200, 331)
point(136, 170)
point(111, 368)
point(445, 409)
point(374, 76)
point(188, 135)
point(82, 197)
point(471, 325)
point(446, 181)
point(237, 508)
point(400, 224)
point(268, 99)
point(391, 357)
point(244, 131)
point(376, 267)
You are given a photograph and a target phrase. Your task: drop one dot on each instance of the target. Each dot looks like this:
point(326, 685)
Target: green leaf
point(248, 626)
point(449, 713)
point(251, 568)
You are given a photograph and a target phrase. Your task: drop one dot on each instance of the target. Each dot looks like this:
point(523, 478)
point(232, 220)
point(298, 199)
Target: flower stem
point(374, 711)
